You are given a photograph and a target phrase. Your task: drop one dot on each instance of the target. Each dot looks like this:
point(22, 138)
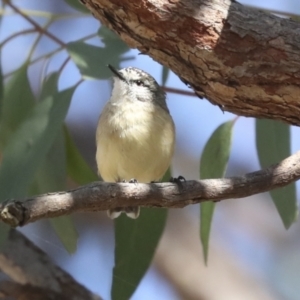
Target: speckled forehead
point(132, 72)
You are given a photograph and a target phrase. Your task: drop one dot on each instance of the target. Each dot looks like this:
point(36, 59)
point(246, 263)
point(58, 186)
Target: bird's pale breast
point(134, 141)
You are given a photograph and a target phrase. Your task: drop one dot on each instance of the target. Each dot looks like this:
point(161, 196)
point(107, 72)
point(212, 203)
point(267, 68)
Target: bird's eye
point(139, 82)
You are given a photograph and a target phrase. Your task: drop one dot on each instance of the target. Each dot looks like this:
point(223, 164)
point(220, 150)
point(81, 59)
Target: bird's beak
point(116, 72)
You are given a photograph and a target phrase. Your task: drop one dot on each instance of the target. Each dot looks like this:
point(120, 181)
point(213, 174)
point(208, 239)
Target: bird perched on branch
point(136, 134)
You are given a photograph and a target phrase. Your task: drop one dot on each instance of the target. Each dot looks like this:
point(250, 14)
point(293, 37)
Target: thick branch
point(245, 60)
point(100, 196)
point(29, 266)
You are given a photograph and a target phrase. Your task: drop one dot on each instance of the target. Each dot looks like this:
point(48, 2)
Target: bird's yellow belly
point(141, 150)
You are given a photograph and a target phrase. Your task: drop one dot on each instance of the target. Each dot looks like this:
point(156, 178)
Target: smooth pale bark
point(99, 196)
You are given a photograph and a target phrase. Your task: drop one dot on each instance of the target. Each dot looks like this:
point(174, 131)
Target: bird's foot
point(178, 179)
point(133, 180)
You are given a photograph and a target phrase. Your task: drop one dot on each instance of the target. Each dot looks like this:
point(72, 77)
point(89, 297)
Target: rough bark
point(34, 274)
point(245, 60)
point(104, 195)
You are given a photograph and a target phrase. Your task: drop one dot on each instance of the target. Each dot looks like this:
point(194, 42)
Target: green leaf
point(51, 174)
point(273, 145)
point(92, 60)
point(78, 6)
point(4, 230)
point(51, 177)
point(50, 84)
point(164, 75)
point(136, 241)
point(213, 164)
point(1, 91)
point(17, 102)
point(113, 44)
point(30, 143)
point(66, 231)
point(77, 167)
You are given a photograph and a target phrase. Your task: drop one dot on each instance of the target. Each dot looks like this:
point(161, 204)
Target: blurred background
point(251, 255)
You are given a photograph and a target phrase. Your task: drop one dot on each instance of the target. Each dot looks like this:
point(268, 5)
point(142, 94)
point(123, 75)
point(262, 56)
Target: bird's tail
point(132, 212)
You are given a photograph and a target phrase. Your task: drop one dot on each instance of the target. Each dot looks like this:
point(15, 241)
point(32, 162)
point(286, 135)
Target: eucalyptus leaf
point(18, 101)
point(112, 41)
point(77, 167)
point(273, 145)
point(1, 92)
point(50, 85)
point(51, 174)
point(164, 75)
point(66, 231)
point(213, 164)
point(4, 230)
point(136, 241)
point(30, 143)
point(78, 6)
point(92, 60)
point(51, 177)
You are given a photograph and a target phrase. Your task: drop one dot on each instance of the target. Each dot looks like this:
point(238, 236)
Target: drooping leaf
point(1, 92)
point(4, 230)
point(78, 6)
point(92, 60)
point(213, 165)
point(51, 174)
point(273, 145)
point(113, 44)
point(49, 86)
point(77, 167)
point(136, 241)
point(51, 177)
point(164, 75)
point(18, 100)
point(29, 144)
point(66, 231)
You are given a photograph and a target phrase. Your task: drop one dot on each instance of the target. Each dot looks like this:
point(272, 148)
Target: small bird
point(136, 134)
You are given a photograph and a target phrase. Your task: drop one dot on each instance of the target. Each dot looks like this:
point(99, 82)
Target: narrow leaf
point(164, 75)
point(51, 177)
point(273, 145)
point(136, 241)
point(30, 143)
point(92, 60)
point(1, 91)
point(214, 161)
point(49, 85)
point(66, 231)
point(18, 100)
point(113, 43)
point(78, 6)
point(77, 167)
point(4, 230)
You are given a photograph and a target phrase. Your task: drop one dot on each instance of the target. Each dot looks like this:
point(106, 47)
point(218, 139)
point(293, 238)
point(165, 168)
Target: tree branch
point(29, 266)
point(243, 59)
point(100, 196)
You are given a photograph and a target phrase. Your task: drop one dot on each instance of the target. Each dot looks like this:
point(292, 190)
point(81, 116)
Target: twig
point(100, 196)
point(23, 32)
point(34, 24)
point(179, 92)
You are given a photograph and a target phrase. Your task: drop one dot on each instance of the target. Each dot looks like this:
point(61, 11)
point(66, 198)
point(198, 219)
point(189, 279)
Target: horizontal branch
point(99, 196)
